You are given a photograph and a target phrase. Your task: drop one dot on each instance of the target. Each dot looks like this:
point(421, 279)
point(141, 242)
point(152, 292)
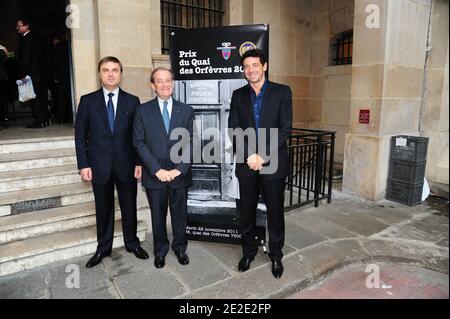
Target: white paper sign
point(400, 141)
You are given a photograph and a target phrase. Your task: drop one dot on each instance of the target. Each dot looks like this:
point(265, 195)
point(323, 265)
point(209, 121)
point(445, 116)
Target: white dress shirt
point(169, 106)
point(114, 98)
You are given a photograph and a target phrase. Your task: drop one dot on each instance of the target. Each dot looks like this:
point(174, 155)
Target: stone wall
point(330, 85)
point(129, 30)
point(434, 119)
point(387, 74)
point(85, 49)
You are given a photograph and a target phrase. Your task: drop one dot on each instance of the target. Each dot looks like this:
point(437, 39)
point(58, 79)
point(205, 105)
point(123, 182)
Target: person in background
point(60, 79)
point(30, 63)
point(3, 87)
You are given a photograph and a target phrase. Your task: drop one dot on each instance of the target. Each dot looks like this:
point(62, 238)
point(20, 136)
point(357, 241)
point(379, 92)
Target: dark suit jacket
point(276, 113)
point(100, 149)
point(3, 72)
point(29, 57)
point(153, 144)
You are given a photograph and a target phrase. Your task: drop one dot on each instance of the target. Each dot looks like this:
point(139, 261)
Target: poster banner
point(214, 53)
point(207, 69)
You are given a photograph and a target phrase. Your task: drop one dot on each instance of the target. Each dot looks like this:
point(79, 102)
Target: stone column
point(387, 74)
point(129, 30)
point(85, 47)
point(434, 120)
point(125, 31)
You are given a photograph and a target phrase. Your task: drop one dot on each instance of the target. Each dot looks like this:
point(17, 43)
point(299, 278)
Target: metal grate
point(186, 14)
point(33, 205)
point(341, 48)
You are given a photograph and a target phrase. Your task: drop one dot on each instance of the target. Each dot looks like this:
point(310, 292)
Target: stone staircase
point(47, 213)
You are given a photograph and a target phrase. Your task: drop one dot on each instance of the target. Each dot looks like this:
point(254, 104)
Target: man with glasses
point(164, 176)
point(29, 59)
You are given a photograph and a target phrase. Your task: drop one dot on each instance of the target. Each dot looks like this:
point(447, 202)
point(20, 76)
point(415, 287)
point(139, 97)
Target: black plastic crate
point(404, 193)
point(409, 148)
point(408, 172)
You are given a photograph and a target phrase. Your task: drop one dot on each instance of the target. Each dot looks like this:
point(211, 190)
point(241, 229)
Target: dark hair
point(107, 59)
point(24, 21)
point(254, 53)
point(161, 68)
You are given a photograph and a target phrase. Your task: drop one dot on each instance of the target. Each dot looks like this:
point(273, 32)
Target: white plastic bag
point(26, 90)
point(425, 190)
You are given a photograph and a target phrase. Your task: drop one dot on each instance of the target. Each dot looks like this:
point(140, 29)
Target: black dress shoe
point(38, 125)
point(32, 125)
point(244, 263)
point(183, 257)
point(277, 268)
point(139, 252)
point(159, 262)
point(96, 259)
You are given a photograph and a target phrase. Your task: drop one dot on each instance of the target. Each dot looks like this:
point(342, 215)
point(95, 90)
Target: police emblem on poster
point(226, 50)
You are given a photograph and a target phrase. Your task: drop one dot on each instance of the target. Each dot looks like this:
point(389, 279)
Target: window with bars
point(185, 14)
point(341, 48)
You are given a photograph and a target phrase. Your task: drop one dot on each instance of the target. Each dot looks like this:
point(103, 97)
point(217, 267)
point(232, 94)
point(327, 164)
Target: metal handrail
point(311, 153)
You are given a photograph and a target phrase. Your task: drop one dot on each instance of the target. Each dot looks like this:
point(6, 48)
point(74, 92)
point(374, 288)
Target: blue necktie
point(110, 108)
point(166, 117)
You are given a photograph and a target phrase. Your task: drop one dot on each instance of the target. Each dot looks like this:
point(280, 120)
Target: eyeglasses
point(20, 25)
point(164, 81)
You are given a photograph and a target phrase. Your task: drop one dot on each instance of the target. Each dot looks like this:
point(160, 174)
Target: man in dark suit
point(167, 170)
point(30, 63)
point(60, 76)
point(105, 156)
point(261, 106)
point(3, 88)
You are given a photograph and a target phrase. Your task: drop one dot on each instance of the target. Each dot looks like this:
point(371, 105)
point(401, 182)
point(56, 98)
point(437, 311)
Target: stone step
point(38, 159)
point(24, 226)
point(38, 178)
point(62, 195)
point(36, 144)
point(26, 254)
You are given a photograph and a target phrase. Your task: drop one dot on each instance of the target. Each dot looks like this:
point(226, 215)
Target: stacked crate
point(407, 169)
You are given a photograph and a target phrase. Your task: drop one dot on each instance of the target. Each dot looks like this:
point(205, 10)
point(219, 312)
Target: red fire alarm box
point(364, 116)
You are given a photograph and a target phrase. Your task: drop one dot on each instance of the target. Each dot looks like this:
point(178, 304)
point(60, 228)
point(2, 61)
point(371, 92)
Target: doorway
point(47, 20)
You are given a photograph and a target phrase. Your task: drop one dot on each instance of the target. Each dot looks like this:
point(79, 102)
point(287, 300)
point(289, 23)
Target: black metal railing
point(311, 153)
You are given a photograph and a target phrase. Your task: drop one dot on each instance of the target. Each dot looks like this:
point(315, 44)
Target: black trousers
point(39, 106)
point(159, 200)
point(62, 111)
point(104, 212)
point(3, 100)
point(273, 192)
